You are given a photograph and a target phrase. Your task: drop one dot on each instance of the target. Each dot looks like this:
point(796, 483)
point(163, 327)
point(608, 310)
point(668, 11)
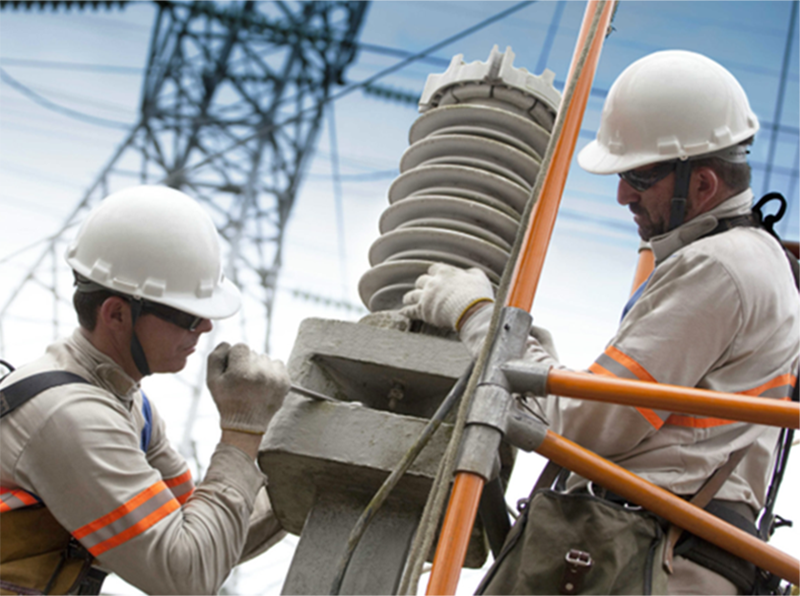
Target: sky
point(84, 66)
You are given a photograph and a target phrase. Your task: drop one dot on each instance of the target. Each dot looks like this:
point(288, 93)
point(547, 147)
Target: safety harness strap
point(89, 579)
point(18, 393)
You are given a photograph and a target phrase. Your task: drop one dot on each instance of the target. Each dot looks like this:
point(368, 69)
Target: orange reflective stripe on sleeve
point(696, 421)
point(636, 369)
point(778, 388)
point(614, 363)
point(15, 498)
point(181, 486)
point(129, 520)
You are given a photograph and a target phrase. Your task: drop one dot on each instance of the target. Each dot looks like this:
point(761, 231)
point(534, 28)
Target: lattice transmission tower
point(231, 106)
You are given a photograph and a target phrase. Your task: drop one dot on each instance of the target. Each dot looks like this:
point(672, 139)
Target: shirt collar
point(107, 374)
point(666, 244)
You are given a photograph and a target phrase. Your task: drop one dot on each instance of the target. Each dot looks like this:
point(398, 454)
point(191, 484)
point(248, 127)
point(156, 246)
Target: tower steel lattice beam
point(231, 108)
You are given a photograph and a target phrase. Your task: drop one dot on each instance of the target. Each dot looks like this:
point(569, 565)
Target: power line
point(46, 103)
point(781, 93)
point(337, 196)
point(364, 177)
point(57, 65)
point(368, 81)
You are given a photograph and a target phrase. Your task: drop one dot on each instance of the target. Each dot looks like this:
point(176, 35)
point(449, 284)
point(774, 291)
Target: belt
point(742, 509)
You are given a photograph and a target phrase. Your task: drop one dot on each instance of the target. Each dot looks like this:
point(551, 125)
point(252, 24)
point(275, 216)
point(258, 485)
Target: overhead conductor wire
point(274, 126)
point(354, 86)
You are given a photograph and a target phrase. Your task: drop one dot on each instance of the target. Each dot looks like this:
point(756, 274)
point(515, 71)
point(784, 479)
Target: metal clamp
point(494, 413)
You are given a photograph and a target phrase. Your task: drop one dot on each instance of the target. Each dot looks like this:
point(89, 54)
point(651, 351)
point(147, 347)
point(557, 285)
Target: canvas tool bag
point(576, 543)
point(38, 556)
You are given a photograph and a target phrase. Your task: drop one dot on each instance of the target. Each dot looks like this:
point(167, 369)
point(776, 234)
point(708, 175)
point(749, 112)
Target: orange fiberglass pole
point(528, 268)
point(644, 267)
point(465, 496)
point(674, 398)
point(669, 506)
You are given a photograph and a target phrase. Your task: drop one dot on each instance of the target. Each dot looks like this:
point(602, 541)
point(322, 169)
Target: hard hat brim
point(225, 302)
point(595, 159)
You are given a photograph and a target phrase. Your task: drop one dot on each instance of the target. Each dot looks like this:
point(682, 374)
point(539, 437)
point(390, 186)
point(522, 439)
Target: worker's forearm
point(246, 442)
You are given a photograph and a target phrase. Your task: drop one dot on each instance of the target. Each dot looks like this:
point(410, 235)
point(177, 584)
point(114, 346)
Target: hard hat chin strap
point(137, 352)
point(683, 173)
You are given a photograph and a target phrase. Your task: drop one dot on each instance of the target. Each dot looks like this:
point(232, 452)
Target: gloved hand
point(445, 293)
point(247, 387)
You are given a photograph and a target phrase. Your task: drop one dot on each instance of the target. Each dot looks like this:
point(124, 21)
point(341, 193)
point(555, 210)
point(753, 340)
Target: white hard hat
point(672, 104)
point(155, 243)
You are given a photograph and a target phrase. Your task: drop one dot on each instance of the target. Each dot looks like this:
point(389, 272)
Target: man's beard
point(647, 227)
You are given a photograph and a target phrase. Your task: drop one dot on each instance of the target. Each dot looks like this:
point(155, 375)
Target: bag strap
point(702, 498)
point(18, 393)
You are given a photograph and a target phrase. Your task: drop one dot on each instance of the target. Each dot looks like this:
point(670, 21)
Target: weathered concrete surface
point(325, 460)
point(377, 562)
point(316, 447)
point(359, 362)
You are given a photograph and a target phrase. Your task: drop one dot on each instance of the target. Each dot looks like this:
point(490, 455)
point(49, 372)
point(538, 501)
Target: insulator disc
point(420, 207)
point(465, 180)
point(481, 117)
point(424, 178)
point(497, 157)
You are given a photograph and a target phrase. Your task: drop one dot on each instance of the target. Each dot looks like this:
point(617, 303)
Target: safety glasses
point(172, 315)
point(642, 180)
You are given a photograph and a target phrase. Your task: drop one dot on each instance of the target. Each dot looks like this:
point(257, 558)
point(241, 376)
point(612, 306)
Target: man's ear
point(706, 185)
point(115, 313)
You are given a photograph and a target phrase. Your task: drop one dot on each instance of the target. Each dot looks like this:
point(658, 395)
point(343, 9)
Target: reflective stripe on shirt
point(614, 363)
point(129, 520)
point(17, 498)
point(181, 486)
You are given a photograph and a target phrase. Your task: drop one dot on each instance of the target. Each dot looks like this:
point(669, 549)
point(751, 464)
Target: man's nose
point(626, 194)
point(205, 326)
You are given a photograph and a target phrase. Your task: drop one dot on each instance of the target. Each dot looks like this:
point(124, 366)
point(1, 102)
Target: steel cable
point(383, 492)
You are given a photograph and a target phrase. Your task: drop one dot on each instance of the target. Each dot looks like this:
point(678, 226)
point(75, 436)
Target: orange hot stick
point(669, 506)
point(460, 515)
point(456, 531)
point(528, 267)
point(644, 267)
point(674, 398)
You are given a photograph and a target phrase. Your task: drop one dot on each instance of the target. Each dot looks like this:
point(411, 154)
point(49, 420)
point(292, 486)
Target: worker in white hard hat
point(719, 312)
point(89, 483)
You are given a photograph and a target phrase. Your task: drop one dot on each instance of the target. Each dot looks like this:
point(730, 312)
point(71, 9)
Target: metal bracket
point(526, 377)
point(494, 413)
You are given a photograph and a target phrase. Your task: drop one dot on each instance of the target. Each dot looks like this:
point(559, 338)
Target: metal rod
point(669, 506)
point(311, 394)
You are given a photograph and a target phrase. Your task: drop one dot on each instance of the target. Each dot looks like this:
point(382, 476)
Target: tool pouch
point(576, 543)
point(38, 556)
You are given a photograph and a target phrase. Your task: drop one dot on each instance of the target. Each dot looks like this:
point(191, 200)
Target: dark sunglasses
point(172, 315)
point(644, 179)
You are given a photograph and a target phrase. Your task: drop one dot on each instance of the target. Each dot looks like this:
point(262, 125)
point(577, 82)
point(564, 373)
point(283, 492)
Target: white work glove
point(445, 293)
point(247, 387)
